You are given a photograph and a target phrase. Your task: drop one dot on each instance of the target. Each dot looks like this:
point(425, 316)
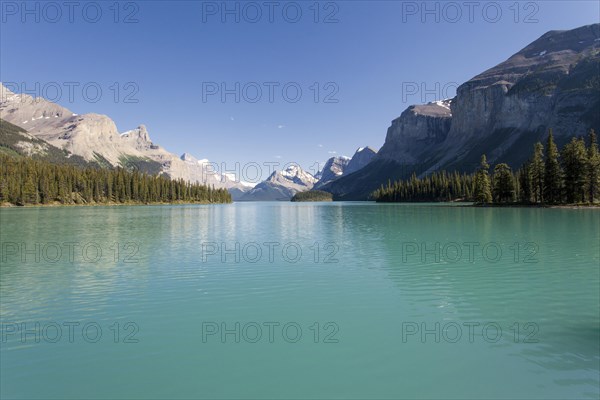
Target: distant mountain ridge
point(96, 139)
point(285, 184)
point(337, 167)
point(554, 82)
point(332, 170)
point(360, 159)
point(281, 185)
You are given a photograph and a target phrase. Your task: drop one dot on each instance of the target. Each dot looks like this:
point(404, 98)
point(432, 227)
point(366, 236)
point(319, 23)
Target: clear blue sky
point(175, 48)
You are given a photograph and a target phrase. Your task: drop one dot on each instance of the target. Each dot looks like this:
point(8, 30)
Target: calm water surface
point(281, 300)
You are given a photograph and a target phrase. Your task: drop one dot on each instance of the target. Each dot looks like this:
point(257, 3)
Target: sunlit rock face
point(553, 83)
point(96, 138)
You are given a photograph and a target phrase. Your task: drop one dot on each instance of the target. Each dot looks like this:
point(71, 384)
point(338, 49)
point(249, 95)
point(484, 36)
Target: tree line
point(312, 195)
point(25, 181)
point(550, 176)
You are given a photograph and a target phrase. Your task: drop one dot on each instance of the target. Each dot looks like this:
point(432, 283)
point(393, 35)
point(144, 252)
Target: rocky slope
point(552, 83)
point(281, 185)
point(332, 170)
point(360, 159)
point(412, 135)
point(96, 139)
point(17, 142)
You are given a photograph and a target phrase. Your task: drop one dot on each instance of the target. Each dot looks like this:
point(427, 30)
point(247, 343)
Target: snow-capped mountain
point(281, 185)
point(96, 139)
point(336, 167)
point(333, 169)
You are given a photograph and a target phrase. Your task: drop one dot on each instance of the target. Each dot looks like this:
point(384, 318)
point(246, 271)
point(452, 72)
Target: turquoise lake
point(299, 300)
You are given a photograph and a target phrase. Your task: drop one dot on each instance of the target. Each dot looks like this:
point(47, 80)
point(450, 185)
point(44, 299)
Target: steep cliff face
point(552, 83)
point(416, 131)
point(139, 139)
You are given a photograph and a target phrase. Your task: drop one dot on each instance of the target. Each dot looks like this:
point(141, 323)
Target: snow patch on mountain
point(281, 185)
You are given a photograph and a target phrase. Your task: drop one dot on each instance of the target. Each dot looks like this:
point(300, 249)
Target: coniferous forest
point(312, 195)
point(25, 181)
point(550, 177)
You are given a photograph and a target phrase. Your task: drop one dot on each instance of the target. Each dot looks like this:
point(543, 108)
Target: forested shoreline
point(550, 178)
point(312, 195)
point(25, 181)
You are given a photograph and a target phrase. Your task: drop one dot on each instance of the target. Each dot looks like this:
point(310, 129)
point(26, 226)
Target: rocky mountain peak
point(293, 174)
point(139, 134)
point(333, 168)
point(281, 185)
point(188, 157)
point(440, 108)
point(360, 159)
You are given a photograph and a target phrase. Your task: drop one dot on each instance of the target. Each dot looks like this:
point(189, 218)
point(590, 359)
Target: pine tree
point(552, 173)
point(593, 167)
point(4, 190)
point(483, 193)
point(575, 160)
point(525, 183)
point(43, 189)
point(504, 185)
point(30, 194)
point(537, 173)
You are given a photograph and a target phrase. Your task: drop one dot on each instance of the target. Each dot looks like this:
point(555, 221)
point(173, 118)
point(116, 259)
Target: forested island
point(551, 177)
point(26, 181)
point(312, 195)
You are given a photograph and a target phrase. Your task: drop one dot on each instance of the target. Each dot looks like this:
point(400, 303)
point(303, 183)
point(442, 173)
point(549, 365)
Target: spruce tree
point(552, 173)
point(504, 185)
point(537, 173)
point(575, 160)
point(593, 167)
point(525, 183)
point(29, 194)
point(4, 189)
point(483, 193)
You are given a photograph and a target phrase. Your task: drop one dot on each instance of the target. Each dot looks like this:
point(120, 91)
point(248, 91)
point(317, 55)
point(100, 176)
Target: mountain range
point(553, 83)
point(95, 139)
point(283, 185)
point(46, 130)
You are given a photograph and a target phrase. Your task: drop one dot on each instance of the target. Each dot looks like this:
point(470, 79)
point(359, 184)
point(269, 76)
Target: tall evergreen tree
point(552, 173)
point(483, 192)
point(537, 173)
point(525, 183)
point(593, 167)
point(504, 184)
point(575, 161)
point(29, 193)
